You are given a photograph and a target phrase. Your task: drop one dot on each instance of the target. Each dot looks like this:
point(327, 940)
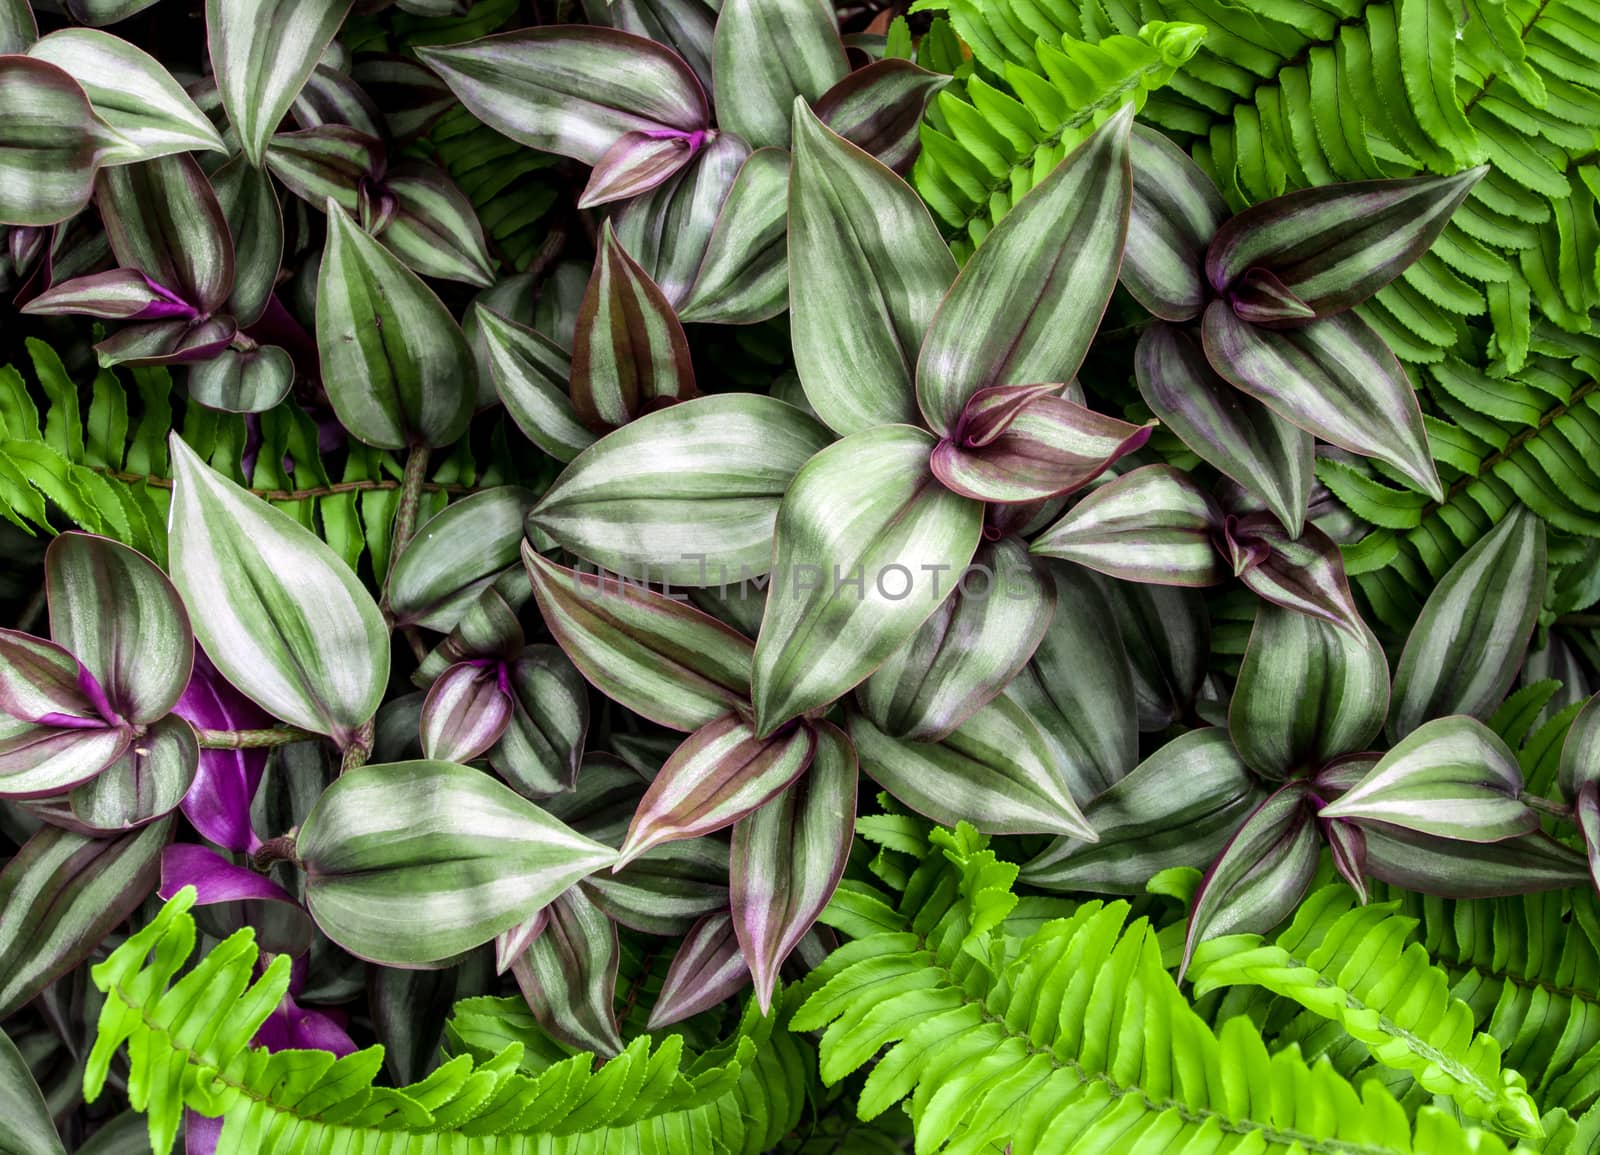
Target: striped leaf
point(397, 369)
point(1150, 525)
point(1580, 752)
point(18, 29)
point(52, 142)
point(118, 614)
point(708, 968)
point(255, 220)
point(1467, 644)
point(262, 52)
point(637, 163)
point(862, 534)
point(744, 276)
point(39, 761)
point(1175, 212)
point(649, 652)
point(1304, 574)
point(242, 381)
point(40, 681)
point(147, 782)
point(766, 55)
point(969, 650)
point(858, 233)
point(571, 89)
point(302, 637)
point(788, 858)
point(568, 975)
point(26, 1127)
point(1335, 378)
point(688, 495)
point(434, 229)
point(132, 92)
point(248, 898)
point(879, 108)
point(163, 219)
point(1027, 304)
point(467, 708)
point(1308, 692)
point(330, 160)
point(531, 375)
point(1451, 778)
point(542, 746)
point(1232, 432)
point(667, 888)
point(61, 895)
point(995, 771)
point(719, 774)
point(630, 354)
point(455, 556)
point(413, 862)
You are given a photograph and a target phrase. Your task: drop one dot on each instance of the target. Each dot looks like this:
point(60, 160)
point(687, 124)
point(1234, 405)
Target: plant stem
point(274, 851)
point(405, 514)
point(252, 739)
point(1545, 806)
point(359, 749)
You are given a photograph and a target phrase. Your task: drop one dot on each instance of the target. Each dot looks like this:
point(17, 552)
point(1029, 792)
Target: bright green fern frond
point(189, 1047)
point(1353, 965)
point(983, 148)
point(1077, 1042)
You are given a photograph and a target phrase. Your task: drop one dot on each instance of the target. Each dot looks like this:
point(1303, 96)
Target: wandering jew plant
point(579, 575)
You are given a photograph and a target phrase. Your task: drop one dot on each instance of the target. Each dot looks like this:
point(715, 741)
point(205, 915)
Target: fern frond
point(1078, 1041)
point(984, 148)
point(189, 1047)
point(1353, 965)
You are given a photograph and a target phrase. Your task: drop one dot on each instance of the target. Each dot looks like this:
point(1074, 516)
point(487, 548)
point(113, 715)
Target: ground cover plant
point(648, 577)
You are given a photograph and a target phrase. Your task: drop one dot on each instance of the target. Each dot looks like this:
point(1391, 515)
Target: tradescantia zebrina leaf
point(61, 895)
point(1027, 304)
point(303, 637)
point(132, 92)
point(163, 219)
point(573, 90)
point(255, 220)
point(862, 532)
point(242, 381)
point(52, 142)
point(667, 888)
point(1580, 752)
point(1178, 807)
point(17, 30)
point(708, 968)
point(1263, 872)
point(969, 650)
point(1465, 648)
point(1308, 692)
point(25, 1124)
point(414, 862)
point(262, 51)
point(542, 745)
point(457, 554)
point(1175, 212)
point(630, 354)
point(397, 369)
point(767, 55)
point(995, 771)
point(1238, 435)
point(653, 654)
point(1166, 631)
point(1150, 525)
point(858, 233)
point(1333, 247)
point(688, 495)
point(718, 775)
point(531, 374)
point(1452, 777)
point(879, 108)
point(568, 974)
point(1335, 378)
point(788, 858)
point(744, 275)
point(148, 781)
point(467, 709)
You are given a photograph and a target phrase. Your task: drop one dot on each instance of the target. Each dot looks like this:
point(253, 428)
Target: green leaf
point(1428, 67)
point(456, 555)
point(147, 782)
point(766, 55)
point(1176, 210)
point(1308, 692)
point(262, 54)
point(858, 233)
point(542, 746)
point(53, 148)
point(302, 637)
point(414, 862)
point(132, 92)
point(688, 495)
point(531, 373)
point(1024, 309)
point(25, 1124)
point(743, 277)
point(397, 368)
point(861, 533)
point(255, 220)
point(568, 976)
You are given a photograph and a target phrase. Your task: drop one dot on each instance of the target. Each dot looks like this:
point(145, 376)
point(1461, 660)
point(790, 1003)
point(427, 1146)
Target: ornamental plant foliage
point(664, 578)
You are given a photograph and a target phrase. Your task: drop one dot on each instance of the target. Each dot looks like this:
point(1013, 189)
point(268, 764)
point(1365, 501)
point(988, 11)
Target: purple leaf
point(1231, 431)
point(1304, 574)
point(879, 109)
point(788, 858)
point(118, 295)
point(218, 804)
point(1335, 378)
point(1347, 845)
point(511, 945)
point(214, 878)
point(708, 969)
point(1261, 299)
point(1176, 211)
point(174, 342)
point(291, 1027)
point(637, 162)
point(1041, 447)
point(1151, 525)
point(568, 975)
point(1332, 247)
point(466, 711)
point(41, 682)
point(718, 775)
point(163, 219)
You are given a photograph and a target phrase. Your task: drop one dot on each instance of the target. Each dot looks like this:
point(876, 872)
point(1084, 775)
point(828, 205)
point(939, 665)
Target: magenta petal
point(218, 804)
point(214, 877)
